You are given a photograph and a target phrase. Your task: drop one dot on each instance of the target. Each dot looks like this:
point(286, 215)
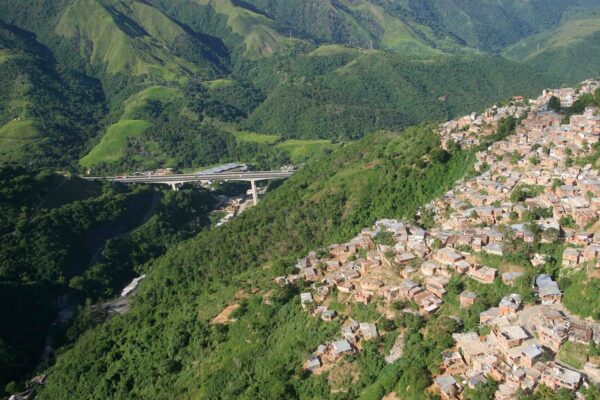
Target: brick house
point(467, 299)
point(556, 376)
point(483, 274)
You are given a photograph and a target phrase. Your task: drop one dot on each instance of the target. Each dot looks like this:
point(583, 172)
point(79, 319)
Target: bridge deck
point(180, 178)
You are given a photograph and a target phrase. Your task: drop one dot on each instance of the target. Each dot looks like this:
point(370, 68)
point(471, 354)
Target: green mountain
point(64, 242)
point(488, 25)
point(112, 86)
point(569, 50)
point(143, 75)
point(345, 93)
point(133, 38)
point(167, 347)
point(45, 111)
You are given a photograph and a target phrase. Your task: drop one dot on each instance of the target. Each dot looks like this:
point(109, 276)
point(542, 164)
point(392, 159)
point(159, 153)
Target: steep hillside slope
point(356, 23)
point(569, 51)
point(64, 240)
point(167, 347)
point(131, 37)
point(46, 113)
point(261, 36)
point(488, 25)
point(345, 93)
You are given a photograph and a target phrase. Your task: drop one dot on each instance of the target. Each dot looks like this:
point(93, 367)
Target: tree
point(554, 104)
point(567, 221)
point(439, 155)
point(551, 235)
point(556, 183)
point(483, 391)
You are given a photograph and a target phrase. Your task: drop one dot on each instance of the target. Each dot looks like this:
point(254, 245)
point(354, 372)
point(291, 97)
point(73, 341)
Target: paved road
point(179, 178)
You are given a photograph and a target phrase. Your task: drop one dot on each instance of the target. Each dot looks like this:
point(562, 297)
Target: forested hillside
point(64, 241)
point(414, 25)
point(569, 51)
point(46, 112)
point(119, 86)
point(344, 93)
point(123, 85)
point(166, 346)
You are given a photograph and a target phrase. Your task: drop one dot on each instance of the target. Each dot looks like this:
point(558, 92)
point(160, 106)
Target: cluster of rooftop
point(528, 189)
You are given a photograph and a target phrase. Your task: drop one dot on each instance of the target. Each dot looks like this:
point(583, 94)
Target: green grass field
point(16, 134)
point(19, 130)
point(255, 137)
point(218, 84)
point(574, 354)
point(112, 146)
point(301, 150)
point(297, 149)
point(5, 55)
point(330, 49)
point(158, 93)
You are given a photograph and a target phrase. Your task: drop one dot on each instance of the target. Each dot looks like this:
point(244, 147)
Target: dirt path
point(224, 315)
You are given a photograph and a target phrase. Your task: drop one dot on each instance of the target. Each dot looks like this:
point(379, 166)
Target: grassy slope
point(261, 35)
point(5, 55)
point(254, 137)
point(297, 150)
point(302, 150)
point(14, 136)
point(127, 37)
point(574, 43)
point(111, 147)
point(218, 84)
point(395, 33)
point(154, 93)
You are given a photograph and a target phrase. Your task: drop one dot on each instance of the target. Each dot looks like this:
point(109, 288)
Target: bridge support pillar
point(175, 185)
point(254, 192)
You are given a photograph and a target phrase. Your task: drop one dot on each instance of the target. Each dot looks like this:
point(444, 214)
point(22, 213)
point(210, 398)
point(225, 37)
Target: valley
point(285, 199)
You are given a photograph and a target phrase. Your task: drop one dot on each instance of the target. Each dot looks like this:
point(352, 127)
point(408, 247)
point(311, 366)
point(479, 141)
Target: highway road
point(180, 178)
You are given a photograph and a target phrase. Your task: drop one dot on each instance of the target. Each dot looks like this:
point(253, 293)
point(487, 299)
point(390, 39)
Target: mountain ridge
point(265, 47)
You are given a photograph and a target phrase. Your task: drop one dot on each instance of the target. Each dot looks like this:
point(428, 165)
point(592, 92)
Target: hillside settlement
point(532, 186)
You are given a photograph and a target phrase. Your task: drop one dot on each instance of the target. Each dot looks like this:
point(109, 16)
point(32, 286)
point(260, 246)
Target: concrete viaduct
point(179, 179)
